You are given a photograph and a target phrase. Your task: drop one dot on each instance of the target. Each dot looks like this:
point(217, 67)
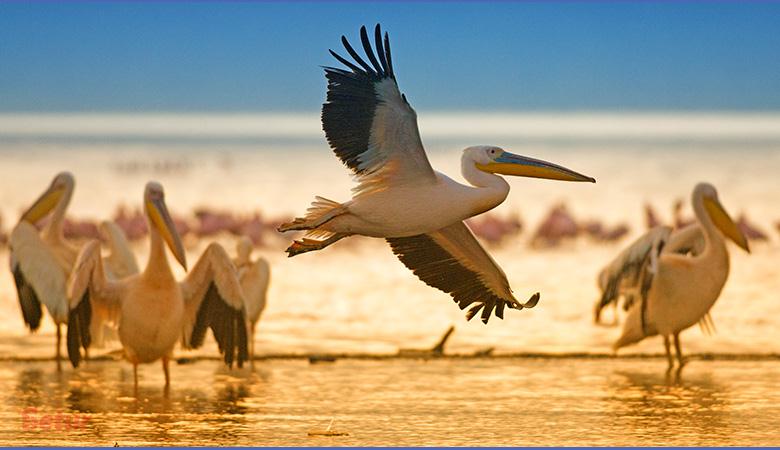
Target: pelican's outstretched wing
point(625, 276)
point(368, 122)
point(120, 261)
point(94, 300)
point(213, 299)
point(38, 276)
point(630, 273)
point(254, 278)
point(451, 259)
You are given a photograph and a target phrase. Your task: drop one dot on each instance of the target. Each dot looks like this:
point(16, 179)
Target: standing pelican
point(254, 277)
point(680, 274)
point(120, 261)
point(41, 262)
point(152, 309)
point(373, 130)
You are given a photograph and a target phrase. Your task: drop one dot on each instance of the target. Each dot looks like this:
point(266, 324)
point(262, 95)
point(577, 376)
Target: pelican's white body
point(685, 287)
point(151, 316)
point(683, 293)
point(412, 208)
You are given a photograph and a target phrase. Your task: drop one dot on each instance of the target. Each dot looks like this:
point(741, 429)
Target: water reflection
point(403, 402)
point(660, 405)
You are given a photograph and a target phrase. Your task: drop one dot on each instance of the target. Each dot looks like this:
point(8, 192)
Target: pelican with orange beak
point(677, 275)
point(152, 309)
point(372, 128)
point(41, 261)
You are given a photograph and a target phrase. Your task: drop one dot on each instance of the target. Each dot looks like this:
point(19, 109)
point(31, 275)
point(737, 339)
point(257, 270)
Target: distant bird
point(212, 222)
point(492, 228)
point(679, 220)
point(80, 229)
point(132, 224)
point(373, 130)
point(558, 225)
point(651, 218)
point(3, 235)
point(41, 261)
point(254, 277)
point(750, 230)
point(253, 228)
point(677, 275)
point(152, 309)
point(597, 231)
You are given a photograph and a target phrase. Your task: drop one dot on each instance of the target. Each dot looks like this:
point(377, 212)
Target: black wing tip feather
point(380, 66)
point(78, 335)
point(422, 255)
point(228, 325)
point(28, 301)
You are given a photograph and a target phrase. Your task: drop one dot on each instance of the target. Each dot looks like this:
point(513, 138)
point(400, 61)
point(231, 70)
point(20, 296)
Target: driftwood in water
point(484, 352)
point(328, 431)
point(436, 350)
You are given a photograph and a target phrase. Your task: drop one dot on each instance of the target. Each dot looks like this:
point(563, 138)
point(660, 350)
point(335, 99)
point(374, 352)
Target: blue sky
point(448, 56)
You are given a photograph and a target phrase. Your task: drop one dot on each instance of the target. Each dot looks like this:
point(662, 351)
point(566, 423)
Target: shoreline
point(426, 355)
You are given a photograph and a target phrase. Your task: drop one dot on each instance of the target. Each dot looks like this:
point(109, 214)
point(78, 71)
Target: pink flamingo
point(679, 220)
point(3, 235)
point(558, 225)
point(213, 222)
point(651, 218)
point(493, 229)
point(80, 229)
point(599, 232)
point(132, 224)
point(751, 231)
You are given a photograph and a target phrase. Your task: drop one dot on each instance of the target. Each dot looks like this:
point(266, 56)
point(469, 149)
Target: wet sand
point(406, 401)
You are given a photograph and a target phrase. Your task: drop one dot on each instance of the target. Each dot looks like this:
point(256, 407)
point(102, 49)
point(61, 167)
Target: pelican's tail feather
point(320, 211)
point(635, 328)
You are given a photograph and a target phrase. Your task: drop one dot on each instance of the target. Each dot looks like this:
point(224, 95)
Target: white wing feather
point(254, 279)
point(40, 268)
point(214, 266)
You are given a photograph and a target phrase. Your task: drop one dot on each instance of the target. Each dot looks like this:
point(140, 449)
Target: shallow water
point(505, 401)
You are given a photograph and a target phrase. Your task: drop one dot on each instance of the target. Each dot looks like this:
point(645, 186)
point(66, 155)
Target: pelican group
point(152, 309)
point(372, 128)
point(676, 275)
point(42, 261)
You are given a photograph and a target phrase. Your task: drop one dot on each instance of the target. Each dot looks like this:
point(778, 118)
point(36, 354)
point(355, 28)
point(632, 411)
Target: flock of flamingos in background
point(558, 226)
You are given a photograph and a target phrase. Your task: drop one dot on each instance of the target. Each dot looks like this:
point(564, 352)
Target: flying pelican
point(373, 130)
point(254, 277)
point(676, 274)
point(152, 309)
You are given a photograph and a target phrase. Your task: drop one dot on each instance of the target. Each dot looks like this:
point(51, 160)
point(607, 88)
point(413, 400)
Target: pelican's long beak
point(511, 164)
point(161, 219)
point(45, 203)
point(723, 222)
